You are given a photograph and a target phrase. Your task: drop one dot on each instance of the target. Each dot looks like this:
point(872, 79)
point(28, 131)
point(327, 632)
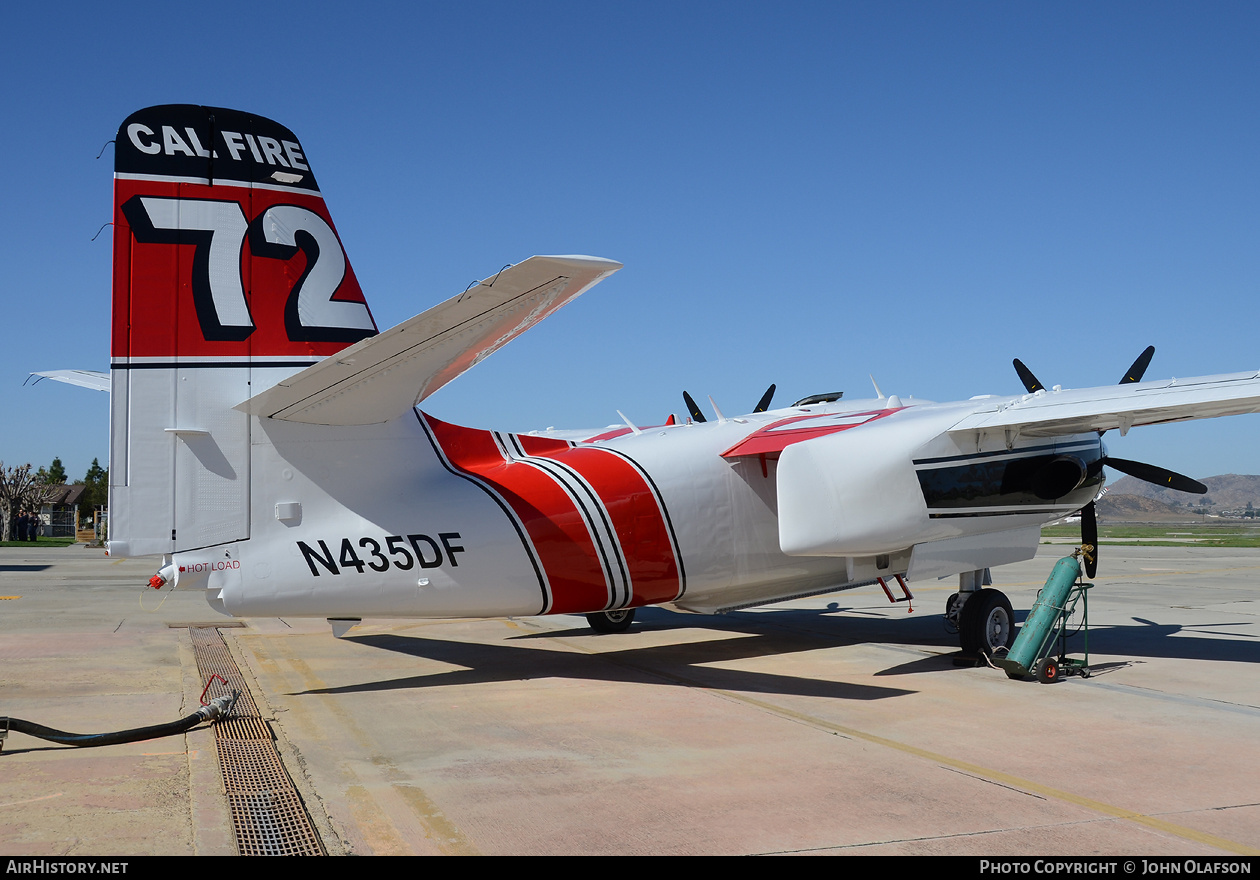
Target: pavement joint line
point(1185, 699)
point(926, 838)
point(1010, 779)
point(986, 773)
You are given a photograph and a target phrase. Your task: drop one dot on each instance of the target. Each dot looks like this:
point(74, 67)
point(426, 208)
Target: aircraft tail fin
point(228, 277)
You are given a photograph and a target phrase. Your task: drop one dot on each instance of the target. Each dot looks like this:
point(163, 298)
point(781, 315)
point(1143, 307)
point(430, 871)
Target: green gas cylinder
point(1039, 627)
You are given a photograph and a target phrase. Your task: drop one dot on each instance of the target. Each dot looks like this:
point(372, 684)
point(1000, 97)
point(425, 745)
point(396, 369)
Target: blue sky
point(802, 193)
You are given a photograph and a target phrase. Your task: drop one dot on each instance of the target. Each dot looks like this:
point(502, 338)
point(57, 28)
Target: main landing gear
point(611, 621)
point(983, 617)
point(986, 622)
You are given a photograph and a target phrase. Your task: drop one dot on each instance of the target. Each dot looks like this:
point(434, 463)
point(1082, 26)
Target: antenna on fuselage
point(631, 425)
point(721, 418)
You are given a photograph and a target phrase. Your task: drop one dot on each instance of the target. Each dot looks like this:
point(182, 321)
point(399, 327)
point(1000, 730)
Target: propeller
point(764, 403)
point(698, 416)
point(1031, 382)
point(1131, 375)
point(694, 410)
point(1149, 473)
point(1089, 535)
point(1135, 372)
point(1152, 474)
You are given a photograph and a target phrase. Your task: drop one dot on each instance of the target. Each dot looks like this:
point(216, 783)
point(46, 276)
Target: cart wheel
point(1048, 671)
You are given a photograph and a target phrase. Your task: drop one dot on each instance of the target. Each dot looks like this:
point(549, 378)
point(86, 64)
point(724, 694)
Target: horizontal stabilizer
point(383, 376)
point(1054, 413)
point(83, 378)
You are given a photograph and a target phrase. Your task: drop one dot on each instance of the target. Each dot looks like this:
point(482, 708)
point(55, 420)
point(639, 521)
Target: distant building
point(60, 515)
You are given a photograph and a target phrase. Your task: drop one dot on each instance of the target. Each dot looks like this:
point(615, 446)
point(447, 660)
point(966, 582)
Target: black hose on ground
point(217, 709)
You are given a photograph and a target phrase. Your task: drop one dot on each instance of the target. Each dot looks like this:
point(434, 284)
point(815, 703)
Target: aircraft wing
point(382, 376)
point(1052, 413)
point(83, 378)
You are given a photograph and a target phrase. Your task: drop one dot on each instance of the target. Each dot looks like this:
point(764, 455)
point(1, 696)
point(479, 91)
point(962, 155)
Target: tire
point(1048, 671)
point(987, 622)
point(611, 621)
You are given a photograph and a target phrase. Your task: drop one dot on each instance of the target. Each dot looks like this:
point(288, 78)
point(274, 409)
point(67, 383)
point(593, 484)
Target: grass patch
point(1172, 535)
point(40, 542)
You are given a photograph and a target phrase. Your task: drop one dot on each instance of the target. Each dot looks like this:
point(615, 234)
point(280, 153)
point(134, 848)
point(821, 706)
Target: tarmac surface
point(833, 725)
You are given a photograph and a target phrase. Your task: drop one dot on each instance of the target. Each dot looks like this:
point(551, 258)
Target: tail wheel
point(1048, 671)
point(987, 622)
point(611, 621)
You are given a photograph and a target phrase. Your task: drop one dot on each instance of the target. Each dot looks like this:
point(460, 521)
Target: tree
point(20, 489)
point(97, 492)
point(56, 472)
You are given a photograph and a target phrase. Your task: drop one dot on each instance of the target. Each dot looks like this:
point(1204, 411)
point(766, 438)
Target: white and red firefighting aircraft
point(265, 438)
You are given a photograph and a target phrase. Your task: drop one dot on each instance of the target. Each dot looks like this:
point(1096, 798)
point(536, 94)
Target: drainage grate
point(267, 813)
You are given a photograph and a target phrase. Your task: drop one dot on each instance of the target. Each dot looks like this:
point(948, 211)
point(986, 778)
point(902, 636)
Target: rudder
point(228, 277)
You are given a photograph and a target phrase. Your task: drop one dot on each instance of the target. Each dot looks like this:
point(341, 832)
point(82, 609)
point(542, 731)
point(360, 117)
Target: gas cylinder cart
point(1031, 653)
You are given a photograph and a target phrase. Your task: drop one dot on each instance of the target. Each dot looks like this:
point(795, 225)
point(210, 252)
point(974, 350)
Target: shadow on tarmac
point(675, 665)
point(768, 633)
point(772, 633)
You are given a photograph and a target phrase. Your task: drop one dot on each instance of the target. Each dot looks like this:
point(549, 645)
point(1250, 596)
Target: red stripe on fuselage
point(557, 528)
point(636, 517)
point(553, 522)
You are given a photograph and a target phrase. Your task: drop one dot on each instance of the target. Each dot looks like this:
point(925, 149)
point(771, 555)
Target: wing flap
point(1054, 413)
point(383, 376)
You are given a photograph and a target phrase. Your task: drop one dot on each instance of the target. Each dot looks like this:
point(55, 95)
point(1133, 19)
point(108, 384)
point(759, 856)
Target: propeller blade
point(1135, 372)
point(696, 415)
point(764, 403)
point(1031, 382)
point(1089, 535)
point(1156, 475)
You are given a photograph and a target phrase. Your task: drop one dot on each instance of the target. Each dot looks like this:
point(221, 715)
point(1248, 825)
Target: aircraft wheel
point(611, 621)
point(1048, 671)
point(987, 622)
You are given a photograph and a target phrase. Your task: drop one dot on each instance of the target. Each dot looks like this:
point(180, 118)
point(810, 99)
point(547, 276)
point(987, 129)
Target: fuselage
point(420, 518)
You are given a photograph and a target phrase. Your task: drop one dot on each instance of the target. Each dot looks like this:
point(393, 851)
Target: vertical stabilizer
point(228, 277)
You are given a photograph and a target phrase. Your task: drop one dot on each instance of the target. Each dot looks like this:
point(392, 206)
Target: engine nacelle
point(855, 492)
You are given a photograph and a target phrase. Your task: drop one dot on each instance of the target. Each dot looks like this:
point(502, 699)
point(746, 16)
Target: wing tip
point(584, 261)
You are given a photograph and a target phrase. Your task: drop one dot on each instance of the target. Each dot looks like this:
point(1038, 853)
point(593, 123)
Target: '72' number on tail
point(219, 229)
